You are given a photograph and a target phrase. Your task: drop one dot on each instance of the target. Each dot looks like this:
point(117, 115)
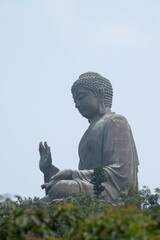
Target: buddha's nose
point(77, 104)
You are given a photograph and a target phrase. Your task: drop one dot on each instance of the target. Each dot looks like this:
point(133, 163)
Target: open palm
point(45, 157)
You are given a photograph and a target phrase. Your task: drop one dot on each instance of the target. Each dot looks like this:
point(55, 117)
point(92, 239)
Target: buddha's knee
point(62, 189)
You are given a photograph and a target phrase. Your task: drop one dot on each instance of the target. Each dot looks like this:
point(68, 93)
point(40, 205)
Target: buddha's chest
point(91, 144)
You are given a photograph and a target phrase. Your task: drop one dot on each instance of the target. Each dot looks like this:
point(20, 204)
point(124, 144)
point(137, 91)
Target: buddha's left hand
point(61, 175)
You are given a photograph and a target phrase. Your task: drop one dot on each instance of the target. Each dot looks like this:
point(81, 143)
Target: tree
point(98, 177)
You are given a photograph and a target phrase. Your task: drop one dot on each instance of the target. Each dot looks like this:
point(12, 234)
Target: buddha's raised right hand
point(45, 157)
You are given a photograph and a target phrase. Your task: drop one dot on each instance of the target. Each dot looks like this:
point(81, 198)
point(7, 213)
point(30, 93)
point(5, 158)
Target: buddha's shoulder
point(115, 119)
point(112, 121)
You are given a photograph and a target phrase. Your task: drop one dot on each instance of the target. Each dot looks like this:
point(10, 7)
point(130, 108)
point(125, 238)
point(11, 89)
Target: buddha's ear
point(102, 108)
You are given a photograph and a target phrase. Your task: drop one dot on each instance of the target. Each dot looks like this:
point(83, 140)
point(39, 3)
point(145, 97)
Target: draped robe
point(108, 142)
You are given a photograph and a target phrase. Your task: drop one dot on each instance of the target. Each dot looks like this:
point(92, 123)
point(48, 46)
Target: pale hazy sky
point(44, 46)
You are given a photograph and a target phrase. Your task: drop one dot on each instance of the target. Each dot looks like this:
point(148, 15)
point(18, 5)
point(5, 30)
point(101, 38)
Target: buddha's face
point(86, 102)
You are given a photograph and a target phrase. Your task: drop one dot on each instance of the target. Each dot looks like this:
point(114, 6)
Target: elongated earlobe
point(102, 107)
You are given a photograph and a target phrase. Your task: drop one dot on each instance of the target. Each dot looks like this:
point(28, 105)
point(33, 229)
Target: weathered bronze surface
point(108, 142)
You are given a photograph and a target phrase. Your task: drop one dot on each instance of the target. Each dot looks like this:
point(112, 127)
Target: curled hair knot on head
point(94, 82)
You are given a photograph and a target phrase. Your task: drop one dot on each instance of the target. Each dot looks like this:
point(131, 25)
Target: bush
point(82, 217)
point(23, 223)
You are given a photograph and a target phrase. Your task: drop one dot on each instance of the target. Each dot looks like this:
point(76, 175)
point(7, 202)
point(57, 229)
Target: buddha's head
point(92, 94)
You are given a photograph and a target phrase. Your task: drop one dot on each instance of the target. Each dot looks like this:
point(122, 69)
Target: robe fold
point(108, 142)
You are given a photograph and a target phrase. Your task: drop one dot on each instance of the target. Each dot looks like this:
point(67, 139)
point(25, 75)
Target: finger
point(43, 186)
point(46, 145)
point(41, 147)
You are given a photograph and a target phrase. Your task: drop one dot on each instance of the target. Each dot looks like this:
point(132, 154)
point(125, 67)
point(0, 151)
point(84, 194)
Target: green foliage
point(83, 218)
point(29, 203)
point(86, 204)
point(143, 199)
point(98, 178)
point(119, 223)
point(21, 223)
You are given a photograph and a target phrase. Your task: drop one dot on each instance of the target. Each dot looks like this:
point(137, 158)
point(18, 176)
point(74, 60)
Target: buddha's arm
point(84, 175)
point(119, 158)
point(48, 174)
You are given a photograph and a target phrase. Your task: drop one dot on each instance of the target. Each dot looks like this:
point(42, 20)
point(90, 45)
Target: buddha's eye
point(80, 98)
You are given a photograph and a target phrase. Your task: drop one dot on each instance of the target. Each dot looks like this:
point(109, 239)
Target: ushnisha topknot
point(94, 81)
